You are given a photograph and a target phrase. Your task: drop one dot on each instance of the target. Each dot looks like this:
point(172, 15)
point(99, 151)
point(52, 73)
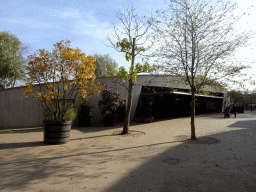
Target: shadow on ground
point(21, 130)
point(192, 167)
point(41, 129)
point(103, 128)
point(41, 143)
point(245, 124)
point(212, 163)
point(246, 114)
point(82, 129)
point(21, 145)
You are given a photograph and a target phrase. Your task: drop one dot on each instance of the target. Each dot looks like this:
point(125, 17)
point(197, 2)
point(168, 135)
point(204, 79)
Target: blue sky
point(41, 23)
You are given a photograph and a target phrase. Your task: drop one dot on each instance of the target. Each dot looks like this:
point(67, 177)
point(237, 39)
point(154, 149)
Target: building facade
point(153, 95)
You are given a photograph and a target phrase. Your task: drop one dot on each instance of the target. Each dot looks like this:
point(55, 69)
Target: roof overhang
point(198, 95)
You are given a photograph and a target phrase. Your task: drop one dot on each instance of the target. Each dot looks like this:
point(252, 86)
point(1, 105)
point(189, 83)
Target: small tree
point(105, 66)
point(196, 37)
point(131, 40)
point(67, 62)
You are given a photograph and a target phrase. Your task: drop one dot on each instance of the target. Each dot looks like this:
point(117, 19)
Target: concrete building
point(157, 95)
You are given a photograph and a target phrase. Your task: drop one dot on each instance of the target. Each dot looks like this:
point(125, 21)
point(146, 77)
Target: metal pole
point(251, 101)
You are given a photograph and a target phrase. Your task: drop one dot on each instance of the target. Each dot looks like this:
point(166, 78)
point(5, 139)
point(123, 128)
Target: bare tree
point(133, 39)
point(196, 42)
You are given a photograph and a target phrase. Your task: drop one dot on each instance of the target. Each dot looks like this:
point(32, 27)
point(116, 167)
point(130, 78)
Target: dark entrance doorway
point(164, 103)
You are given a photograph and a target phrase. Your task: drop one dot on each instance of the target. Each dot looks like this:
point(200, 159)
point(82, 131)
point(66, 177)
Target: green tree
point(196, 39)
point(131, 39)
point(105, 66)
point(236, 97)
point(249, 98)
point(16, 81)
point(10, 59)
point(25, 50)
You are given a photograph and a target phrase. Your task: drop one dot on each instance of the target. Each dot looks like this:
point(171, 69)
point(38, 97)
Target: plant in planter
point(69, 115)
point(85, 114)
point(109, 105)
point(54, 96)
point(57, 131)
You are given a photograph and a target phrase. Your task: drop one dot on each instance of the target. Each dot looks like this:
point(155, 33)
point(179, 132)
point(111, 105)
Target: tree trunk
point(251, 102)
point(193, 133)
point(130, 92)
point(128, 109)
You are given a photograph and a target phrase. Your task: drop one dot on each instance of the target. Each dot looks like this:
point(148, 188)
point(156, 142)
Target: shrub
point(48, 114)
point(111, 101)
point(84, 114)
point(85, 109)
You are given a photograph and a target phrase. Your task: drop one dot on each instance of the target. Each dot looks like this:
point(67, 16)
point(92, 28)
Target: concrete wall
point(143, 80)
point(146, 80)
point(16, 112)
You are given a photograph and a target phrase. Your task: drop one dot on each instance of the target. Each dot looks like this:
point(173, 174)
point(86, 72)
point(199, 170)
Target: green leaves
point(10, 57)
point(141, 49)
point(122, 73)
point(104, 65)
point(128, 57)
point(126, 46)
point(129, 49)
point(132, 75)
point(142, 67)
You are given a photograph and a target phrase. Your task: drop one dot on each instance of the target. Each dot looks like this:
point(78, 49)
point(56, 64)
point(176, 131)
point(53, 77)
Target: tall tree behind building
point(11, 59)
point(105, 66)
point(236, 97)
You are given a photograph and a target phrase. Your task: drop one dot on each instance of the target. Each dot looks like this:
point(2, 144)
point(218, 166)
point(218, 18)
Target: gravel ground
point(156, 156)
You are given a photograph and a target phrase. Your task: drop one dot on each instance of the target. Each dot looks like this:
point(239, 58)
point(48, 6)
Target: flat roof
point(182, 93)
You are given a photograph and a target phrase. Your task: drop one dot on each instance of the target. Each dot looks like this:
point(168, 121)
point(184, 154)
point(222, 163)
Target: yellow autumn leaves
point(59, 66)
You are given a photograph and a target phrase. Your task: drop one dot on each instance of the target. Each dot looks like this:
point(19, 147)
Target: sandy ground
point(154, 157)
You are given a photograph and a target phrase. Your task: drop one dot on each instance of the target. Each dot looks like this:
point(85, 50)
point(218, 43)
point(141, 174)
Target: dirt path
point(155, 157)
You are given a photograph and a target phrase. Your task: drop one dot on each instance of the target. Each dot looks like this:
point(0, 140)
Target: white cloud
point(90, 25)
point(28, 22)
point(83, 24)
point(66, 13)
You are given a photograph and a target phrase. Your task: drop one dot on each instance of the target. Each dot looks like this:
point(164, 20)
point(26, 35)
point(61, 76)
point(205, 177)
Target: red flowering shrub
point(111, 101)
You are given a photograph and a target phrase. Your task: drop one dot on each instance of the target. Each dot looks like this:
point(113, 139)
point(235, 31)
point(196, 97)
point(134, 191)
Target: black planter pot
point(84, 114)
point(109, 120)
point(121, 114)
point(57, 132)
point(84, 121)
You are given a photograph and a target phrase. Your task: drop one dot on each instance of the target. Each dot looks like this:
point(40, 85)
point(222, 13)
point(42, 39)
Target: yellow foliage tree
point(68, 62)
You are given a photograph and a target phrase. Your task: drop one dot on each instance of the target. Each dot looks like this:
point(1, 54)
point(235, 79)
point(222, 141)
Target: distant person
point(235, 110)
point(226, 113)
